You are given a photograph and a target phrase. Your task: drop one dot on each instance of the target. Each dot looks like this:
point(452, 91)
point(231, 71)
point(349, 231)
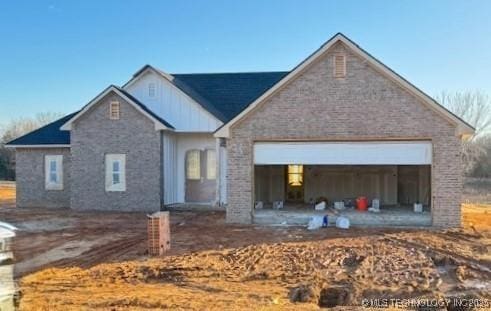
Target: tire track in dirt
point(479, 265)
point(104, 253)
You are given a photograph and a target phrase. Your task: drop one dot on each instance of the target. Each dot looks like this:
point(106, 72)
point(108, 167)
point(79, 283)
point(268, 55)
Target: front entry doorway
point(200, 176)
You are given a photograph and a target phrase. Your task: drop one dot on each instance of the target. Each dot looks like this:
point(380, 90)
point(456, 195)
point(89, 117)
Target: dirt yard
point(72, 261)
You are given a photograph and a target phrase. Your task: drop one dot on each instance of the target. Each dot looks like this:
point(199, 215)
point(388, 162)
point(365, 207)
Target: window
point(339, 66)
point(115, 172)
point(295, 175)
point(114, 110)
point(193, 164)
point(211, 164)
point(53, 170)
point(151, 90)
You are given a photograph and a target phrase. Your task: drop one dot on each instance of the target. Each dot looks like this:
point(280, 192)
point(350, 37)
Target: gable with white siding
point(169, 102)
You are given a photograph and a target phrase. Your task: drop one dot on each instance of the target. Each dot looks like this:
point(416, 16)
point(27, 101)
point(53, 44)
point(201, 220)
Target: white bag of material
point(376, 204)
point(342, 222)
point(320, 206)
point(375, 208)
point(259, 205)
point(418, 207)
point(315, 223)
point(278, 204)
point(339, 205)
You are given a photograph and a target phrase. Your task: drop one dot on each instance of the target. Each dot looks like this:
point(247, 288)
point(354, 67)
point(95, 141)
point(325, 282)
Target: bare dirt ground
point(72, 261)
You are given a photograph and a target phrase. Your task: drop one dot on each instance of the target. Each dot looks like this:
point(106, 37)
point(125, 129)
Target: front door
point(200, 175)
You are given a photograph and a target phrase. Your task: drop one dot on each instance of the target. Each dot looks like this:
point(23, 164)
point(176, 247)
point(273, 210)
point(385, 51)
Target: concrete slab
point(192, 207)
point(388, 217)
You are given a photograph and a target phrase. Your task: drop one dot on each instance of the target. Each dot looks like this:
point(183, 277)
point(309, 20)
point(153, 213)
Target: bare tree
point(474, 107)
point(15, 129)
point(482, 168)
point(21, 126)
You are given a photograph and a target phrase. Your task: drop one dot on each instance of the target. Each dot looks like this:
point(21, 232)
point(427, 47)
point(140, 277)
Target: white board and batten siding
point(344, 153)
point(172, 104)
point(169, 143)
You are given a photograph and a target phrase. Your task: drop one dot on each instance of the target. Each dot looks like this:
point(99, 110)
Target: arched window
point(193, 164)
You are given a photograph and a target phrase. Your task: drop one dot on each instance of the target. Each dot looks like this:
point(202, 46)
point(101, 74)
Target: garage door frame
point(376, 152)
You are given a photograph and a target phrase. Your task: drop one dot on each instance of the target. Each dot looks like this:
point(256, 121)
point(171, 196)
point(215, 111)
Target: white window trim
point(211, 168)
point(48, 185)
point(108, 161)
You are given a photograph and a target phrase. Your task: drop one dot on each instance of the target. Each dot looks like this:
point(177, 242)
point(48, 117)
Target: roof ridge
point(231, 72)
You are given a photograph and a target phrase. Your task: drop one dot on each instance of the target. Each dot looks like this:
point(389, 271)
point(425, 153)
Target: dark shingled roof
point(49, 134)
point(223, 94)
point(229, 93)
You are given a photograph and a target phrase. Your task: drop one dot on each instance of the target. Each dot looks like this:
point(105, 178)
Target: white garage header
point(344, 153)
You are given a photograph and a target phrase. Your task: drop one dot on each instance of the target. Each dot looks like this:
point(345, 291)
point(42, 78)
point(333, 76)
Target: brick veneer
point(30, 178)
point(365, 105)
point(95, 135)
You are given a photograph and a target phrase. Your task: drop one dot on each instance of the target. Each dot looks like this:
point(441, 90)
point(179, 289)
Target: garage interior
point(300, 186)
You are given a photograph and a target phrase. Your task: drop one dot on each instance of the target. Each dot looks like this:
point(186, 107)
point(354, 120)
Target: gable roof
point(230, 93)
point(54, 135)
point(223, 95)
point(49, 135)
point(186, 90)
point(160, 124)
point(462, 127)
point(227, 96)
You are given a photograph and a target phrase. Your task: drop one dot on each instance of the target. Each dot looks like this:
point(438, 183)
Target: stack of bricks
point(158, 228)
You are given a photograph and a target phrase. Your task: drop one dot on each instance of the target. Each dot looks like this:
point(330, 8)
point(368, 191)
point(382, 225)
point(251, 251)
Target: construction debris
point(342, 222)
point(375, 208)
point(320, 206)
point(315, 223)
point(418, 207)
point(339, 205)
point(278, 205)
point(376, 204)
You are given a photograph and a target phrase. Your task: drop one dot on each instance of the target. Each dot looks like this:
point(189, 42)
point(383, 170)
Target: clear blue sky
point(57, 55)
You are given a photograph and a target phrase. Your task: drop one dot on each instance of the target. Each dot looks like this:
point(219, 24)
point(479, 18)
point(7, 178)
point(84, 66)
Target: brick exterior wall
point(30, 178)
point(363, 106)
point(94, 135)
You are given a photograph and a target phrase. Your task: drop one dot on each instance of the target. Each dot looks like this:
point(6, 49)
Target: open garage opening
point(301, 186)
point(394, 176)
